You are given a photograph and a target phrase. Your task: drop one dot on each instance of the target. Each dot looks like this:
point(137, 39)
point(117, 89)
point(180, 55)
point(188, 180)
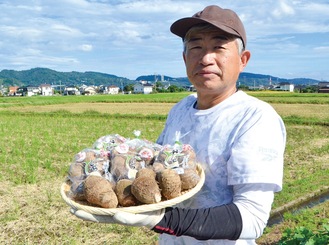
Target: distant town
point(141, 87)
point(46, 82)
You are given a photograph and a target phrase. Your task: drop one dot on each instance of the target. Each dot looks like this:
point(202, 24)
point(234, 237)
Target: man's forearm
point(222, 222)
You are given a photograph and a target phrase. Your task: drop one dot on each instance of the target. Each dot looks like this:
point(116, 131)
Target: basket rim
point(134, 209)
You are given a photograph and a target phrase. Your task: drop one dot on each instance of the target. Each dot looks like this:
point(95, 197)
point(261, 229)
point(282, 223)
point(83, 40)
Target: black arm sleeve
point(222, 222)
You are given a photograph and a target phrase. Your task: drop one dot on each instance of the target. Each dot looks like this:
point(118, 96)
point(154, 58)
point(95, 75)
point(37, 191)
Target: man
point(239, 140)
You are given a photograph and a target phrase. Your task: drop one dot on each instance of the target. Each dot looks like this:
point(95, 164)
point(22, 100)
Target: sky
point(130, 38)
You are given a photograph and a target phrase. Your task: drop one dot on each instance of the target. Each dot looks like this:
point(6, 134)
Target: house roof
point(32, 86)
point(323, 84)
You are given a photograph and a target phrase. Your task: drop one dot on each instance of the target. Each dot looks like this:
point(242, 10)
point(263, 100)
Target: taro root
point(120, 149)
point(146, 190)
point(90, 155)
point(85, 156)
point(125, 166)
point(107, 142)
point(77, 191)
point(146, 172)
point(77, 170)
point(97, 165)
point(134, 162)
point(188, 150)
point(158, 167)
point(99, 191)
point(163, 156)
point(170, 183)
point(118, 167)
point(123, 192)
point(187, 157)
point(189, 178)
point(177, 156)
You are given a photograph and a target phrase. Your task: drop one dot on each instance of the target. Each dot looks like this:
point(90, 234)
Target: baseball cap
point(224, 19)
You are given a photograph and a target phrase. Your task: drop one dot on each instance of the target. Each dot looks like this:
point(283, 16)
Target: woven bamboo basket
point(65, 187)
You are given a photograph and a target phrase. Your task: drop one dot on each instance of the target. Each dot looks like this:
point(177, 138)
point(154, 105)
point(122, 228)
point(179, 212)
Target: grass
point(108, 108)
point(6, 102)
point(269, 96)
point(38, 145)
point(292, 98)
point(35, 146)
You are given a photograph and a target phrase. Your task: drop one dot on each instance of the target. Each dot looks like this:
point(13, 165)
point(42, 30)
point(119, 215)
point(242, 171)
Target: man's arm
point(245, 218)
point(223, 222)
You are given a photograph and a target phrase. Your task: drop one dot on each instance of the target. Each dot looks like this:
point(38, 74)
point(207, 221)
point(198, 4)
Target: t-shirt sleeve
point(257, 153)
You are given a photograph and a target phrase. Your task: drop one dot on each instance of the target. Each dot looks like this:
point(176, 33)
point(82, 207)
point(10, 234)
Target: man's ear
point(244, 59)
point(184, 57)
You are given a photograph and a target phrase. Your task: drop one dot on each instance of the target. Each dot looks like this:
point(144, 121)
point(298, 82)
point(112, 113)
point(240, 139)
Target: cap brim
point(180, 27)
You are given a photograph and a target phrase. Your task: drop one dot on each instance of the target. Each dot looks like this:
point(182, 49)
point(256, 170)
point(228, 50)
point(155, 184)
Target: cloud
point(284, 9)
point(323, 50)
point(86, 47)
point(102, 35)
point(23, 59)
point(62, 29)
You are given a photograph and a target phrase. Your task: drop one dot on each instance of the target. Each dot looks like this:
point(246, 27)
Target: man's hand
point(148, 219)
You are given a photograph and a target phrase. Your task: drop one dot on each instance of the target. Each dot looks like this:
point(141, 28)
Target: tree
point(174, 88)
point(243, 87)
point(309, 89)
point(158, 86)
point(128, 87)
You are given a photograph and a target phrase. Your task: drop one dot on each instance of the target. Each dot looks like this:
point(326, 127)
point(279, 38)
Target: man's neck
point(206, 101)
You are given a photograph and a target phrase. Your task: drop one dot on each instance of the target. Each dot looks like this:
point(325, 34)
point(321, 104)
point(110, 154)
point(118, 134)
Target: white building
point(46, 89)
point(285, 87)
point(32, 90)
point(71, 90)
point(143, 88)
point(89, 90)
point(113, 89)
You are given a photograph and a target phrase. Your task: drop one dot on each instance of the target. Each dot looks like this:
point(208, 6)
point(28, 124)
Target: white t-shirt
point(239, 141)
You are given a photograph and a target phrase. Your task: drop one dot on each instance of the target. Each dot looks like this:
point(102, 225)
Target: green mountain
point(245, 78)
point(37, 76)
point(252, 79)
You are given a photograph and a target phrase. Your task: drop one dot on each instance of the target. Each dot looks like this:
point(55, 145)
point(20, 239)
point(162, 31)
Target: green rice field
point(40, 135)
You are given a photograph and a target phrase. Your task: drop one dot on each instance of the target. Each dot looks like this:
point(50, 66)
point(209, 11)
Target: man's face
point(213, 62)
